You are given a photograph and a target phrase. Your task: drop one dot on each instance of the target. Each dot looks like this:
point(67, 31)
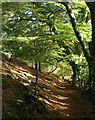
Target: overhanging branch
point(75, 28)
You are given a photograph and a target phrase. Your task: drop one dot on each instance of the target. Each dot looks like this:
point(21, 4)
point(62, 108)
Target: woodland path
point(68, 102)
point(61, 100)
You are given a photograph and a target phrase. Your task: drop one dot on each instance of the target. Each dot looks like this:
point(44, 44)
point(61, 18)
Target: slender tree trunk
point(36, 82)
point(36, 65)
point(74, 68)
point(39, 66)
point(11, 58)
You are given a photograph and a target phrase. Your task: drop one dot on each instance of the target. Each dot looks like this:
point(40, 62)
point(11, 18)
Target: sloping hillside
point(55, 98)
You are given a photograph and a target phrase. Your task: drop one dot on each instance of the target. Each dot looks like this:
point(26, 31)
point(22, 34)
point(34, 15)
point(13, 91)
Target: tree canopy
point(53, 33)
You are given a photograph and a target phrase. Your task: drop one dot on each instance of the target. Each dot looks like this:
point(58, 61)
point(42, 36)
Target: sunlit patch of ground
point(58, 96)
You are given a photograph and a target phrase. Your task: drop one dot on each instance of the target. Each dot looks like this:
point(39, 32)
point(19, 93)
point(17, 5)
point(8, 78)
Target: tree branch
point(75, 28)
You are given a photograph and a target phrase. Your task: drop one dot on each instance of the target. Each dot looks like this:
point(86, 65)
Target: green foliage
point(42, 32)
point(27, 48)
point(81, 12)
point(63, 69)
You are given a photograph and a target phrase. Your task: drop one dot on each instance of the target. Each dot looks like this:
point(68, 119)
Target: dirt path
point(66, 102)
point(61, 100)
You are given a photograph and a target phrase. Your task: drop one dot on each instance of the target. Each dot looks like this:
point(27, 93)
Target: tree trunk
point(90, 57)
point(36, 65)
point(74, 68)
point(91, 80)
point(39, 66)
point(36, 82)
point(91, 6)
point(75, 28)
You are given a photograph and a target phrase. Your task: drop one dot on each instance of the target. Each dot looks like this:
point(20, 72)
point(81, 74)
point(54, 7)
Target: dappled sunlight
point(62, 88)
point(19, 72)
point(62, 97)
point(25, 84)
point(59, 98)
point(67, 115)
point(57, 102)
point(54, 84)
point(54, 104)
point(19, 101)
point(46, 87)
